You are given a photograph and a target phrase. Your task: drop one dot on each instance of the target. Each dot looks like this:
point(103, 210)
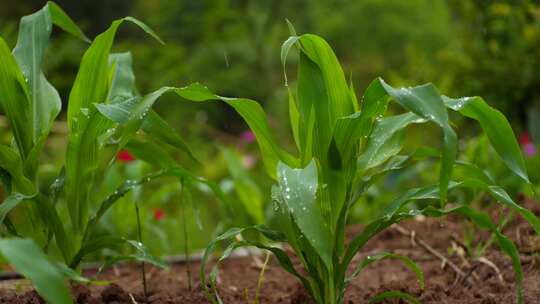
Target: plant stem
point(480, 251)
point(139, 232)
point(261, 278)
point(186, 236)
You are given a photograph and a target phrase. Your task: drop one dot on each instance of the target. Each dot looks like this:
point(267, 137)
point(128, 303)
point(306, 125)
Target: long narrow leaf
point(254, 116)
point(298, 188)
point(394, 294)
point(12, 163)
point(15, 100)
point(388, 255)
point(426, 102)
point(497, 129)
point(29, 260)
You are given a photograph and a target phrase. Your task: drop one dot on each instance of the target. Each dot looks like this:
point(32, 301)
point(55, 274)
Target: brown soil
point(482, 283)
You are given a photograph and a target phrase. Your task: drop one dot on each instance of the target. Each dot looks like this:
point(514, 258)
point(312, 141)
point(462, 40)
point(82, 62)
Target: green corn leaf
point(145, 28)
point(94, 244)
point(471, 171)
point(11, 162)
point(374, 104)
point(82, 164)
point(388, 255)
point(350, 129)
point(5, 180)
point(63, 21)
point(144, 257)
point(74, 276)
point(86, 124)
point(30, 261)
point(284, 220)
point(384, 296)
point(294, 119)
point(501, 196)
point(137, 108)
point(123, 82)
point(298, 188)
point(322, 88)
point(92, 81)
point(15, 100)
point(12, 201)
point(285, 49)
point(386, 139)
point(160, 130)
point(151, 153)
point(48, 212)
point(44, 102)
point(254, 116)
point(57, 186)
point(136, 113)
point(322, 97)
point(427, 103)
point(346, 136)
point(33, 40)
point(122, 103)
point(497, 129)
point(362, 183)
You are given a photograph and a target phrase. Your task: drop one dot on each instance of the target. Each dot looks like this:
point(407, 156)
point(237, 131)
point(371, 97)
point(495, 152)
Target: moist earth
point(451, 274)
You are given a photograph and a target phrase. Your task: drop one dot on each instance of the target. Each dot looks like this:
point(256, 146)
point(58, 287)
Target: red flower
point(159, 214)
point(524, 138)
point(124, 156)
point(527, 145)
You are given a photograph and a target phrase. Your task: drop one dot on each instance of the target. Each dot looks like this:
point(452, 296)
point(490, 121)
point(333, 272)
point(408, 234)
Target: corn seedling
point(344, 146)
point(104, 115)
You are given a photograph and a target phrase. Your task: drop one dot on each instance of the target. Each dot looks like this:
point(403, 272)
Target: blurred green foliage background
point(466, 48)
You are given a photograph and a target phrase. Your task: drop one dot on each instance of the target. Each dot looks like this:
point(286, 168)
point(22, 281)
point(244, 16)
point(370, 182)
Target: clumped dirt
point(487, 280)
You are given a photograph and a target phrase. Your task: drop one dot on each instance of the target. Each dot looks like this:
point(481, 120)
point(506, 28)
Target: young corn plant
point(104, 115)
point(343, 147)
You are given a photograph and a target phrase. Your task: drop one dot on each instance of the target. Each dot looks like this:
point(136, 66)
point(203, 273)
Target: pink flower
point(247, 136)
point(124, 156)
point(529, 149)
point(527, 145)
point(159, 214)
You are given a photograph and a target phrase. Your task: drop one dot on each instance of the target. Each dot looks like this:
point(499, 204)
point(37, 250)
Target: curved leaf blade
point(426, 102)
point(29, 260)
point(298, 188)
point(497, 129)
point(254, 116)
point(63, 21)
point(388, 255)
point(15, 100)
point(394, 295)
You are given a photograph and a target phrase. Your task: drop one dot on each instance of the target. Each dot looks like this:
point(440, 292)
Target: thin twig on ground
point(492, 265)
point(132, 299)
point(444, 261)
